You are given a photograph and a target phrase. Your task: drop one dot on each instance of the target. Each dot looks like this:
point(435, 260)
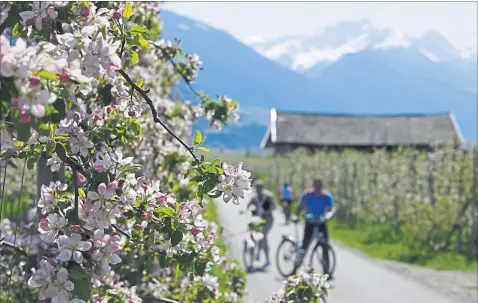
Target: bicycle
point(252, 239)
point(292, 252)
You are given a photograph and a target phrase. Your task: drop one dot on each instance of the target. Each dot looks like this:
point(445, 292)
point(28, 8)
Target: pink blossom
point(49, 227)
point(72, 247)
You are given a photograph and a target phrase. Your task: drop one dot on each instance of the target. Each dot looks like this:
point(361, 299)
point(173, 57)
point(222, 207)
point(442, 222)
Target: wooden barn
point(291, 130)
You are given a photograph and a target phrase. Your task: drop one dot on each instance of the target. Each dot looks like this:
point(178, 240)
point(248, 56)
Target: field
point(408, 206)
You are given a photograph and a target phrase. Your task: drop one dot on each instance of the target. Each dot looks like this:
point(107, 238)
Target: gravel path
point(358, 278)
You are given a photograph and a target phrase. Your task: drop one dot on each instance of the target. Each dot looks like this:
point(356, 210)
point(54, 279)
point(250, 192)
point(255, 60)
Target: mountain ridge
point(375, 81)
point(354, 36)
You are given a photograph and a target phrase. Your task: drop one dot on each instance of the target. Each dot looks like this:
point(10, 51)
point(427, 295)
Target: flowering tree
point(303, 287)
point(87, 87)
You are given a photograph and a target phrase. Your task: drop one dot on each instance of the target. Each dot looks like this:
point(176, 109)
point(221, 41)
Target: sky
point(457, 21)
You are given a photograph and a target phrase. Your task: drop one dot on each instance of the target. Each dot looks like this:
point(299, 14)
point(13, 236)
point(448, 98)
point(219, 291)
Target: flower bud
point(34, 80)
point(30, 22)
point(117, 15)
point(80, 179)
point(195, 231)
point(138, 226)
point(145, 216)
point(85, 12)
point(64, 77)
point(76, 229)
point(24, 117)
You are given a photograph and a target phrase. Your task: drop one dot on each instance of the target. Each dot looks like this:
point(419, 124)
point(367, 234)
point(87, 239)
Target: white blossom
point(72, 247)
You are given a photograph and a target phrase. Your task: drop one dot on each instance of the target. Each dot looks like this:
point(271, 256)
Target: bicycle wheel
point(319, 256)
point(248, 256)
point(286, 255)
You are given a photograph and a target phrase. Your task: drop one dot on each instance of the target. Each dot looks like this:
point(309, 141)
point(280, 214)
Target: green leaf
point(82, 281)
point(140, 82)
point(209, 185)
point(50, 147)
point(134, 57)
point(200, 267)
point(105, 94)
point(199, 196)
point(215, 194)
point(23, 131)
point(103, 32)
point(176, 237)
point(128, 11)
point(136, 127)
point(143, 42)
point(60, 150)
point(204, 149)
point(163, 260)
point(81, 192)
point(15, 31)
point(31, 163)
point(165, 212)
point(47, 75)
point(60, 111)
point(138, 29)
point(198, 138)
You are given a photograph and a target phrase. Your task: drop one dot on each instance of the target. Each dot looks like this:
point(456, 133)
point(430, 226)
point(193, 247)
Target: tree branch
point(144, 94)
point(75, 183)
point(120, 230)
point(188, 83)
point(158, 300)
point(75, 166)
point(12, 246)
point(185, 79)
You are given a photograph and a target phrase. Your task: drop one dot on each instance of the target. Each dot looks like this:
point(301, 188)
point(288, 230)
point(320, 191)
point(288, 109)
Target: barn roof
point(360, 130)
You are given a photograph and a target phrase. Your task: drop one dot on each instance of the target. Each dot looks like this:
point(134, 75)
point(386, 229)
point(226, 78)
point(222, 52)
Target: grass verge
point(235, 276)
point(210, 214)
point(364, 238)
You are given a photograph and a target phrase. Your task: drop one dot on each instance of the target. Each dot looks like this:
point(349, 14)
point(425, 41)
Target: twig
point(75, 183)
point(188, 83)
point(120, 230)
point(3, 26)
point(144, 94)
point(159, 300)
point(12, 246)
point(75, 166)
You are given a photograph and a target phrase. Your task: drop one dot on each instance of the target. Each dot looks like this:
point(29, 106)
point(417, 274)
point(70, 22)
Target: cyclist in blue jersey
point(319, 207)
point(286, 196)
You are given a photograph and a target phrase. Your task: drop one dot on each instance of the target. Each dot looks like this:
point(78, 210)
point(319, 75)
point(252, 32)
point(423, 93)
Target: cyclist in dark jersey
point(264, 202)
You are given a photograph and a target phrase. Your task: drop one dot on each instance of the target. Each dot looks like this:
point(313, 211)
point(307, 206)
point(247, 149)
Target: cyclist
point(264, 203)
point(286, 199)
point(319, 207)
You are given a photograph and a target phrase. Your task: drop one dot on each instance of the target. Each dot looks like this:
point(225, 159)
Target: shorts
point(286, 201)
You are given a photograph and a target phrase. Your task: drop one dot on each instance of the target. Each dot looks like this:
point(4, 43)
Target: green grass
point(12, 206)
point(239, 275)
point(381, 242)
point(211, 215)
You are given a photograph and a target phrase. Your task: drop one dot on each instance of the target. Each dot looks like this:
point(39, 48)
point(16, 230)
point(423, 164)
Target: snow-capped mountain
point(351, 67)
point(300, 53)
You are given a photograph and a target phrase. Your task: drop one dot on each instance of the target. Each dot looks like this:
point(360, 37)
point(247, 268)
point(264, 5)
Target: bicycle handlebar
point(322, 219)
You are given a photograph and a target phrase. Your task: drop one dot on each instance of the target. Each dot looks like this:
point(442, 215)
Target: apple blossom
point(72, 247)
